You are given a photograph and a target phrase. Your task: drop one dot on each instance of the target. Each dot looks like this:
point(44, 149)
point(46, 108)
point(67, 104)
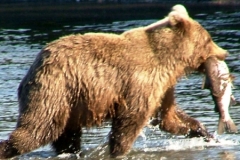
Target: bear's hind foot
point(7, 150)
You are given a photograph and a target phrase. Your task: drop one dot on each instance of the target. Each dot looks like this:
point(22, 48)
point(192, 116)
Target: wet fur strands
point(80, 80)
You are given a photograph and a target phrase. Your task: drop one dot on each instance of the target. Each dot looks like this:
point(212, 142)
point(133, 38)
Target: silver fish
point(219, 81)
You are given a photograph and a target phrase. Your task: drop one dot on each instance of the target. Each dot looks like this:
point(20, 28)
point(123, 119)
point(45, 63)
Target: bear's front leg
point(190, 126)
point(176, 121)
point(126, 126)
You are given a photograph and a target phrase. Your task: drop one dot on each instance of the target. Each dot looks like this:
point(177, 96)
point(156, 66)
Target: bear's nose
point(223, 55)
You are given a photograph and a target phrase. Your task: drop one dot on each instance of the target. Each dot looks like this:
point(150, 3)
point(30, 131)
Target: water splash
point(166, 142)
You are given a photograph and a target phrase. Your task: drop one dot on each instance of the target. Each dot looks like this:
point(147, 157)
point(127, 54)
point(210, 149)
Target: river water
point(19, 46)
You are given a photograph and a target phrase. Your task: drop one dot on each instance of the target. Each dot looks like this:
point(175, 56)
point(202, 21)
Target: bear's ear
point(178, 15)
point(180, 9)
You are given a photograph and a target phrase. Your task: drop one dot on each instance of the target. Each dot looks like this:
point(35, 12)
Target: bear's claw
point(200, 132)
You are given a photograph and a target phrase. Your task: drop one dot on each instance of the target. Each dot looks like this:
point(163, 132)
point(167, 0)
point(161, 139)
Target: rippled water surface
point(18, 48)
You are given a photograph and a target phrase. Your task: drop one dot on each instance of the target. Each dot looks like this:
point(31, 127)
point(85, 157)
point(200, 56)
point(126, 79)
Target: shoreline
point(55, 14)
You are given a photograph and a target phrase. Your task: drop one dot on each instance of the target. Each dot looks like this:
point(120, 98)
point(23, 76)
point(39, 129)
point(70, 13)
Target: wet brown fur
point(79, 80)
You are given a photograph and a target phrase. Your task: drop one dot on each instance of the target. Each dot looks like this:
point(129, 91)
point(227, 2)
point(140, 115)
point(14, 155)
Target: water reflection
point(18, 50)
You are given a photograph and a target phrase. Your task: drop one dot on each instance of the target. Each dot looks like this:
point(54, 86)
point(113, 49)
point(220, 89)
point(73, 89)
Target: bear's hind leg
point(7, 150)
point(23, 140)
point(68, 142)
point(33, 131)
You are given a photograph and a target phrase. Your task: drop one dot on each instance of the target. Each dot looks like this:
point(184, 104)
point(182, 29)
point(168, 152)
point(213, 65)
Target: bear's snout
point(223, 55)
point(219, 52)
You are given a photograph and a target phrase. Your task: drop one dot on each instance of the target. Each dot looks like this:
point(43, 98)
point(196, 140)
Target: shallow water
point(18, 50)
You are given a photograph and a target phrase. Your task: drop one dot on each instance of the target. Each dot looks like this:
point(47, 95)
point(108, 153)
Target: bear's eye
point(208, 39)
point(207, 43)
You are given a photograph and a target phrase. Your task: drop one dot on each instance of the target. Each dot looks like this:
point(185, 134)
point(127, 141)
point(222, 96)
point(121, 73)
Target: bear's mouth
point(220, 57)
point(201, 68)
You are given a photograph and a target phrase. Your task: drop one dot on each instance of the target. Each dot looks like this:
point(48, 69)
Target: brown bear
point(80, 80)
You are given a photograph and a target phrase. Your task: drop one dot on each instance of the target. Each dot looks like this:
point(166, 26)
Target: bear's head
point(183, 38)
